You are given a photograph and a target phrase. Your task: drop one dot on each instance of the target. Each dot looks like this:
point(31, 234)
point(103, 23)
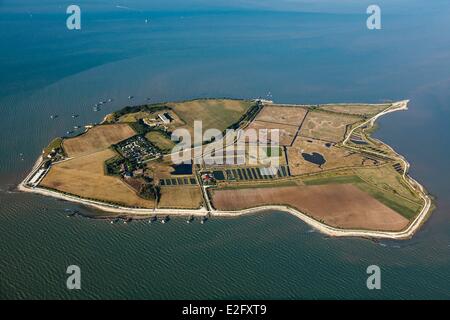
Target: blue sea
point(300, 52)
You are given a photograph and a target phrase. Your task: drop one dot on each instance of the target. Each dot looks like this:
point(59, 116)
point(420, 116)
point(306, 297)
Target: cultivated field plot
point(337, 205)
point(178, 181)
point(385, 186)
point(160, 169)
point(160, 140)
point(214, 113)
point(356, 109)
point(247, 174)
point(286, 132)
point(327, 126)
point(388, 179)
point(96, 139)
point(84, 176)
point(135, 116)
point(285, 115)
point(184, 197)
point(334, 157)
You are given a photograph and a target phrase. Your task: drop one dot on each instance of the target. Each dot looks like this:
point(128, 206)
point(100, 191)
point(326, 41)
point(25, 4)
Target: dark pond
point(218, 175)
point(181, 169)
point(314, 157)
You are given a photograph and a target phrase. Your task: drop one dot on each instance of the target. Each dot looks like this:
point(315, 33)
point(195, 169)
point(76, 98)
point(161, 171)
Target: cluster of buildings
point(137, 149)
point(161, 119)
point(208, 178)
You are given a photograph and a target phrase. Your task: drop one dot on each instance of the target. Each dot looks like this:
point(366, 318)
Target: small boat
point(114, 220)
point(165, 219)
point(71, 213)
point(204, 219)
point(76, 127)
point(191, 218)
point(53, 116)
point(109, 100)
point(69, 132)
point(130, 97)
point(152, 219)
point(74, 116)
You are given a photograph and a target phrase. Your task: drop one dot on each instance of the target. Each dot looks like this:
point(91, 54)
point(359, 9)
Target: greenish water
point(303, 58)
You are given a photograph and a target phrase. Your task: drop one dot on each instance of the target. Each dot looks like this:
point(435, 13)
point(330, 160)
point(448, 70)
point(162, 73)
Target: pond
point(314, 157)
point(182, 169)
point(218, 175)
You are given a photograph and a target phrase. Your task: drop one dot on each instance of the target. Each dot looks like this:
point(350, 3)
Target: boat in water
point(165, 219)
point(71, 213)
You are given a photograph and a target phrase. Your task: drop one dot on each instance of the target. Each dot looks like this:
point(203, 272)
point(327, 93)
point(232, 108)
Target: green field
point(53, 145)
point(133, 117)
point(161, 141)
point(260, 184)
point(274, 152)
point(313, 181)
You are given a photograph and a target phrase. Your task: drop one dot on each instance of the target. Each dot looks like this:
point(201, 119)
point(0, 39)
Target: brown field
point(286, 132)
point(337, 205)
point(96, 139)
point(84, 176)
point(160, 169)
point(183, 197)
point(335, 157)
point(356, 109)
point(286, 115)
point(327, 126)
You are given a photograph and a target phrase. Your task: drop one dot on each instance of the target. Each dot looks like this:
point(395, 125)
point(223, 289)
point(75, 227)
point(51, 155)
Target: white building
point(164, 118)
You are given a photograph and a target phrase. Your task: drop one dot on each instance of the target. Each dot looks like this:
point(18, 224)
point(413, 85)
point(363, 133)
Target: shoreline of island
point(406, 233)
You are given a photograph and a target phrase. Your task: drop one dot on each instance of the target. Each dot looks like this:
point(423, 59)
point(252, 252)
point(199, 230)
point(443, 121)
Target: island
point(332, 173)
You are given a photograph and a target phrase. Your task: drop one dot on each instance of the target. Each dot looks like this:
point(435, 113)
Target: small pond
point(314, 157)
point(182, 169)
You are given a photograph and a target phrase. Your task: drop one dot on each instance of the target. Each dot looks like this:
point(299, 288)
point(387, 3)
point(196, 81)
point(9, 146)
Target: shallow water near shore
point(299, 58)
